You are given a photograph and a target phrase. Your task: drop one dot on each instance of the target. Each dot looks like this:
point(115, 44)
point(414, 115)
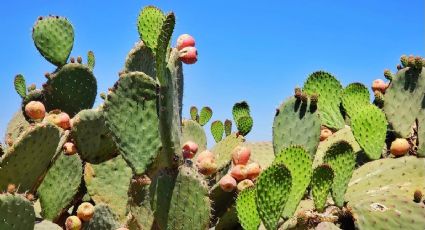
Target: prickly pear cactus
point(103, 218)
point(321, 183)
point(247, 209)
point(354, 97)
point(16, 212)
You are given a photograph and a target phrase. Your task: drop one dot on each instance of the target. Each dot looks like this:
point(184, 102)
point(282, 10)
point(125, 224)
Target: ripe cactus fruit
point(379, 85)
point(185, 40)
point(241, 155)
point(399, 147)
point(69, 148)
point(244, 184)
point(228, 183)
point(73, 223)
point(189, 149)
point(325, 133)
point(35, 110)
point(11, 188)
point(204, 155)
point(188, 55)
point(239, 172)
point(85, 211)
point(207, 166)
point(60, 119)
point(254, 170)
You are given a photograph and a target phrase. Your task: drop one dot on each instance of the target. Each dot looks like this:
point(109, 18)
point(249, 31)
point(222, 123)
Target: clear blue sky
point(248, 50)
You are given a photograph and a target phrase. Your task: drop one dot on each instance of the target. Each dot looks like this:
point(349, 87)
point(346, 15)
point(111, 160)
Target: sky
point(256, 51)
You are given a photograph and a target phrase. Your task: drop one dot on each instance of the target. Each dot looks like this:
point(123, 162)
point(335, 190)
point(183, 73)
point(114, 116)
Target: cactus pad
point(54, 38)
point(227, 127)
point(130, 113)
point(92, 137)
point(240, 109)
point(217, 130)
point(329, 90)
point(192, 131)
point(140, 59)
point(103, 218)
point(272, 192)
point(370, 129)
point(91, 60)
point(139, 205)
point(71, 89)
point(354, 97)
point(194, 113)
point(205, 115)
point(299, 162)
point(296, 123)
point(20, 86)
point(321, 184)
point(149, 24)
point(244, 125)
point(16, 212)
point(247, 209)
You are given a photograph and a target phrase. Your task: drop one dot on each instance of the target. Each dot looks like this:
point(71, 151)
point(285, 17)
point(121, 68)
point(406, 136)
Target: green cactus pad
point(229, 220)
point(108, 183)
point(54, 38)
point(380, 194)
point(217, 130)
point(103, 218)
point(56, 196)
point(272, 192)
point(223, 150)
point(16, 212)
point(227, 127)
point(149, 24)
point(71, 89)
point(261, 152)
point(28, 159)
point(344, 134)
point(46, 225)
point(354, 97)
point(17, 125)
point(244, 125)
point(321, 184)
point(329, 90)
point(370, 129)
point(221, 201)
point(194, 113)
point(139, 205)
point(192, 131)
point(20, 86)
point(205, 115)
point(92, 137)
point(341, 159)
point(130, 113)
point(140, 59)
point(247, 209)
point(240, 109)
point(299, 162)
point(404, 100)
point(91, 60)
point(296, 123)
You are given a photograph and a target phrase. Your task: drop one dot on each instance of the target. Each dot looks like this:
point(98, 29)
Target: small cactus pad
point(16, 212)
point(404, 100)
point(20, 86)
point(354, 97)
point(380, 194)
point(108, 183)
point(130, 113)
point(149, 24)
point(92, 137)
point(217, 130)
point(341, 159)
point(321, 184)
point(192, 131)
point(28, 159)
point(194, 113)
point(329, 90)
point(272, 192)
point(247, 209)
point(71, 89)
point(299, 162)
point(205, 115)
point(370, 129)
point(296, 124)
point(91, 60)
point(56, 196)
point(140, 59)
point(54, 38)
point(240, 109)
point(103, 218)
point(227, 127)
point(244, 125)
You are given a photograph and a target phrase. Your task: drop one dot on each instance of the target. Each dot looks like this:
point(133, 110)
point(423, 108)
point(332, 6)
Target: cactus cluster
point(336, 160)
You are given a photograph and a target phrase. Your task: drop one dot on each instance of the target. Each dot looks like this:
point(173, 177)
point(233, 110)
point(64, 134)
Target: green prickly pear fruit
point(417, 196)
point(244, 184)
point(69, 148)
point(399, 147)
point(185, 40)
point(254, 170)
point(35, 110)
point(11, 188)
point(325, 133)
point(207, 166)
point(388, 75)
point(85, 211)
point(379, 85)
point(228, 183)
point(241, 155)
point(239, 172)
point(79, 59)
point(189, 149)
point(188, 55)
point(73, 223)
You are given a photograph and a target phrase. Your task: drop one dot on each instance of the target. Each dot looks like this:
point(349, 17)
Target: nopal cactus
point(129, 167)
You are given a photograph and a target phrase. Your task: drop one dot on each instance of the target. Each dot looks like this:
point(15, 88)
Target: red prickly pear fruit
point(11, 188)
point(35, 110)
point(239, 172)
point(85, 211)
point(64, 121)
point(30, 197)
point(325, 133)
point(188, 55)
point(247, 183)
point(379, 85)
point(241, 155)
point(399, 147)
point(189, 148)
point(185, 40)
point(207, 166)
point(254, 170)
point(205, 155)
point(228, 183)
point(73, 223)
point(69, 148)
